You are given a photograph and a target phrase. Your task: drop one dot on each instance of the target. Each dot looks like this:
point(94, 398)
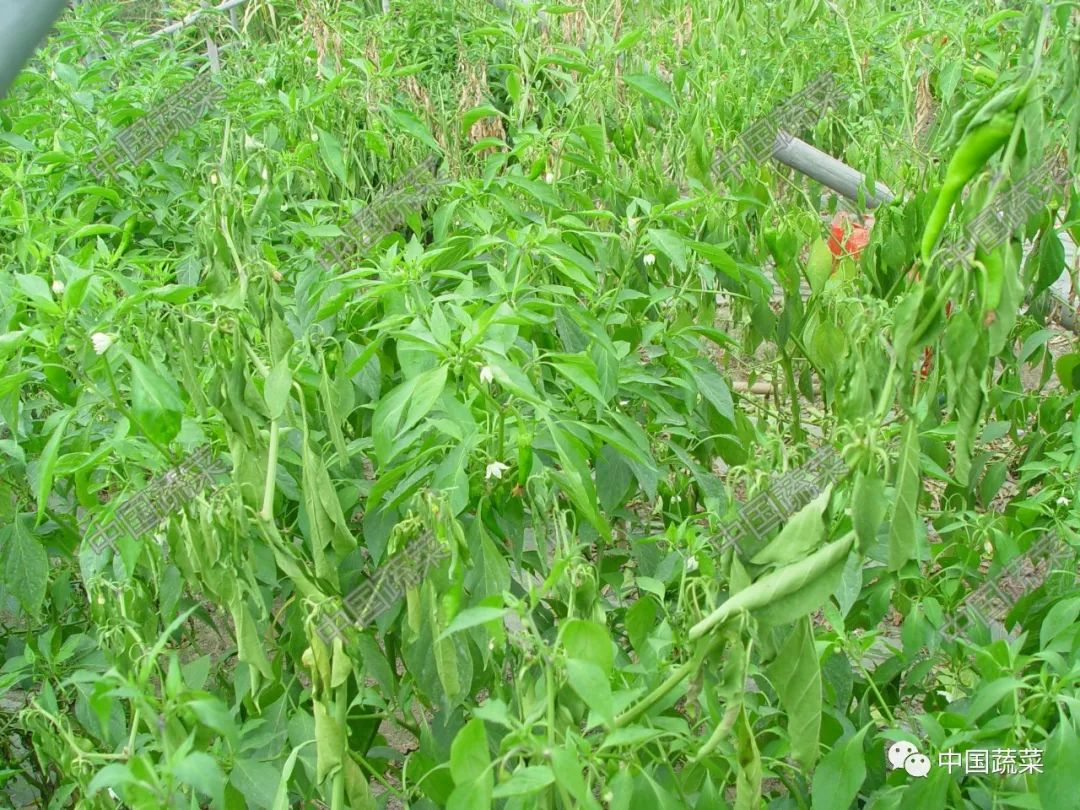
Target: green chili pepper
point(992, 277)
point(970, 156)
point(450, 601)
point(525, 456)
point(260, 204)
point(984, 75)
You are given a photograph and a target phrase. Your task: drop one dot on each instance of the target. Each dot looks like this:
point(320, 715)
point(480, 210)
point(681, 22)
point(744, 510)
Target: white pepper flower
point(548, 177)
point(649, 259)
point(486, 375)
point(101, 342)
point(213, 178)
point(58, 287)
point(495, 470)
point(631, 223)
point(691, 564)
point(314, 136)
point(1062, 501)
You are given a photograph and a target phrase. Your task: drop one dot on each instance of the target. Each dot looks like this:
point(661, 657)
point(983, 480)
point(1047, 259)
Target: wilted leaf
point(25, 565)
point(796, 676)
point(155, 402)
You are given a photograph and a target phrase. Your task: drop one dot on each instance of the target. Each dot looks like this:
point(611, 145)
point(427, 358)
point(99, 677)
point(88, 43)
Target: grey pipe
point(826, 169)
point(23, 25)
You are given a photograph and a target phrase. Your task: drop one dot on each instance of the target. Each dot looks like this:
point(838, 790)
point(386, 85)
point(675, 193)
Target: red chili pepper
point(846, 237)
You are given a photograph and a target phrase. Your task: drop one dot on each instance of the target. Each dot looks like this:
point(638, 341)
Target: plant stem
point(377, 776)
point(789, 380)
point(337, 797)
point(719, 734)
point(267, 512)
point(673, 680)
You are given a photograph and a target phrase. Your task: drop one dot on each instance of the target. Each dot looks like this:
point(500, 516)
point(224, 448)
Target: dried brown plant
point(684, 30)
point(327, 40)
point(474, 94)
point(924, 108)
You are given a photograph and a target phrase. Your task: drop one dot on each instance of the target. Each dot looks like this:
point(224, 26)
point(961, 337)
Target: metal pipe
point(826, 169)
point(226, 5)
point(23, 25)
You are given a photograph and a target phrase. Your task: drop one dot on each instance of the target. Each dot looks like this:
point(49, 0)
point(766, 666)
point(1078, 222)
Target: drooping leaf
point(331, 151)
point(651, 87)
point(414, 126)
point(796, 676)
point(47, 468)
point(749, 774)
point(840, 775)
point(525, 781)
point(155, 402)
point(25, 565)
point(278, 386)
point(902, 531)
point(592, 686)
point(1067, 368)
point(782, 595)
point(1051, 261)
point(575, 478)
point(589, 641)
point(803, 533)
point(1061, 760)
point(868, 505)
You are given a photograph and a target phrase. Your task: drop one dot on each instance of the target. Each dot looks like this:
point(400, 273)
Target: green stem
point(259, 364)
point(939, 302)
point(502, 433)
point(337, 797)
point(673, 680)
point(377, 776)
point(789, 380)
point(886, 393)
point(719, 734)
point(267, 512)
point(873, 687)
point(858, 663)
point(549, 674)
point(786, 779)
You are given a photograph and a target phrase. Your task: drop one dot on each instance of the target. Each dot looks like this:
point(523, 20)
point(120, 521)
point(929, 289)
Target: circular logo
point(917, 765)
point(900, 751)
